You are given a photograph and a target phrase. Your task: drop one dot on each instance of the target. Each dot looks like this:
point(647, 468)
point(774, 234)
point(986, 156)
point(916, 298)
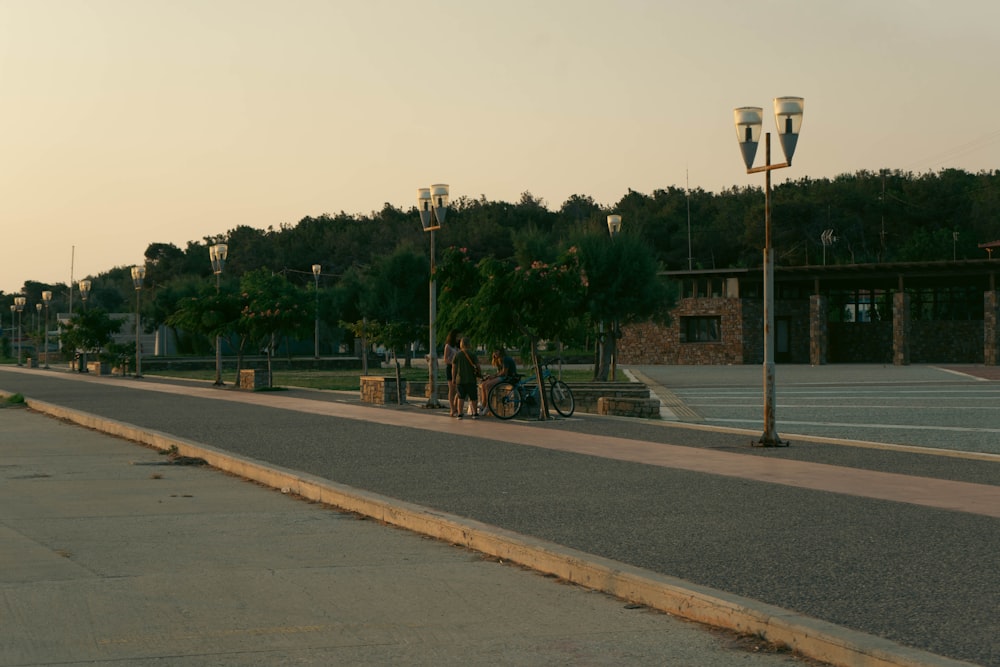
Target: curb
point(807, 636)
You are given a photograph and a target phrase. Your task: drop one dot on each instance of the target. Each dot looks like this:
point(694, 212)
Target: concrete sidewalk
point(110, 554)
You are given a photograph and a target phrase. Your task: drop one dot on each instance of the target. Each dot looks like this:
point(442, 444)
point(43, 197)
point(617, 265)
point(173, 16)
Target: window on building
point(701, 329)
point(946, 303)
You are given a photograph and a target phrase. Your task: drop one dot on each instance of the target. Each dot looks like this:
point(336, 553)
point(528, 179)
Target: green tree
point(89, 331)
point(212, 315)
point(271, 307)
point(396, 295)
point(622, 288)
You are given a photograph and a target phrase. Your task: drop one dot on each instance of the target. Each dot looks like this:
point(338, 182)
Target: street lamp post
point(316, 268)
point(138, 274)
point(218, 253)
point(38, 318)
point(47, 297)
point(84, 293)
point(19, 302)
point(614, 227)
point(788, 118)
point(432, 203)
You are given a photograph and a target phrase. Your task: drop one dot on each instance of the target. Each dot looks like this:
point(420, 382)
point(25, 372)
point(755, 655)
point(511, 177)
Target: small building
point(898, 313)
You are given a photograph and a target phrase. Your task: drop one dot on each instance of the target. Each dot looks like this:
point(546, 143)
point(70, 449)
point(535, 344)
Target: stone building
point(899, 313)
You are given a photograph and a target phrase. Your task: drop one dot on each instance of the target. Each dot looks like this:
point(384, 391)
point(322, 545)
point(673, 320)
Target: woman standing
point(450, 350)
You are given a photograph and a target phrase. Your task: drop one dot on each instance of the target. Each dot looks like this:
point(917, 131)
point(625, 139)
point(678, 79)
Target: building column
point(901, 328)
point(818, 333)
point(991, 315)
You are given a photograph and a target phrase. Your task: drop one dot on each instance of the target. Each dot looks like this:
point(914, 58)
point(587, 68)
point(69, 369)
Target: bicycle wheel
point(504, 401)
point(562, 398)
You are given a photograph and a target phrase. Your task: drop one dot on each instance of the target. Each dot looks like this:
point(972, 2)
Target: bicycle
point(507, 398)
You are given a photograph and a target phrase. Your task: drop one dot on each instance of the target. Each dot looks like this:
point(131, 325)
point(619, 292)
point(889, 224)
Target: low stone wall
point(587, 394)
point(645, 408)
point(252, 380)
point(422, 389)
point(381, 390)
point(99, 368)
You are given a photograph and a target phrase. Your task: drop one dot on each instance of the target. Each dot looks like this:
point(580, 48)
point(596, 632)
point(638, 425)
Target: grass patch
point(15, 399)
point(341, 380)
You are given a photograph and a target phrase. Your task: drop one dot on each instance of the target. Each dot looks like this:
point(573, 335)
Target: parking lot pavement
point(955, 408)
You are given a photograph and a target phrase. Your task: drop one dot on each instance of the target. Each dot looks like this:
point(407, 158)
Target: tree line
point(375, 267)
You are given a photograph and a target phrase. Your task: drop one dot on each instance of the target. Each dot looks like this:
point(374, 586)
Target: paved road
point(908, 570)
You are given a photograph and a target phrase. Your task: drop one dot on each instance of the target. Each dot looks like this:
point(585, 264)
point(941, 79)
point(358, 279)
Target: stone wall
point(586, 395)
point(252, 380)
point(933, 342)
point(381, 390)
point(650, 343)
point(818, 331)
point(643, 408)
point(901, 329)
point(991, 315)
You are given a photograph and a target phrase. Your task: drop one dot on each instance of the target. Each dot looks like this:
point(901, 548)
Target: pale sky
point(127, 122)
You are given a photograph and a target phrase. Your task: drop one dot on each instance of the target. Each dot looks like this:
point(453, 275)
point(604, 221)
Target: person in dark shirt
point(467, 372)
point(506, 371)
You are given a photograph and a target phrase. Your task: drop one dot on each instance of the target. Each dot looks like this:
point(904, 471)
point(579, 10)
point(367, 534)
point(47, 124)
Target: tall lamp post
point(19, 302)
point(316, 268)
point(47, 298)
point(84, 286)
point(614, 227)
point(218, 253)
point(138, 275)
point(788, 118)
point(432, 203)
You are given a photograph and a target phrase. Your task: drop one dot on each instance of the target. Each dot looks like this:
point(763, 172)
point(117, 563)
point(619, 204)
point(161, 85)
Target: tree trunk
point(607, 351)
point(543, 399)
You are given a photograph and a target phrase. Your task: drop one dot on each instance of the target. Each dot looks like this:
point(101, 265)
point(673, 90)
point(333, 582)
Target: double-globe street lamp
point(84, 293)
point(788, 118)
point(432, 203)
point(138, 275)
point(614, 227)
point(19, 302)
point(47, 298)
point(218, 253)
point(316, 269)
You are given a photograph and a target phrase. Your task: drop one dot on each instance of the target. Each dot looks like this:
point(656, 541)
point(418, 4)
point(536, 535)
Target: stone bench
point(644, 408)
point(381, 390)
point(252, 379)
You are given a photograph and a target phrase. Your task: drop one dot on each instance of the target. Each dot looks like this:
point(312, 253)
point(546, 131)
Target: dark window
point(702, 329)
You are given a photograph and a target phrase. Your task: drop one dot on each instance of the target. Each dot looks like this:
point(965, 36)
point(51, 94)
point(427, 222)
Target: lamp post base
point(769, 440)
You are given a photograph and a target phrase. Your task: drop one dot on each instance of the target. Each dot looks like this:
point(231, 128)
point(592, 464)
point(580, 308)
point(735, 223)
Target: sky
point(129, 122)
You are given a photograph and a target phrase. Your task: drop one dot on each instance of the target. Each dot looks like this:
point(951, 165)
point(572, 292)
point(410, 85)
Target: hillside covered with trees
point(376, 265)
